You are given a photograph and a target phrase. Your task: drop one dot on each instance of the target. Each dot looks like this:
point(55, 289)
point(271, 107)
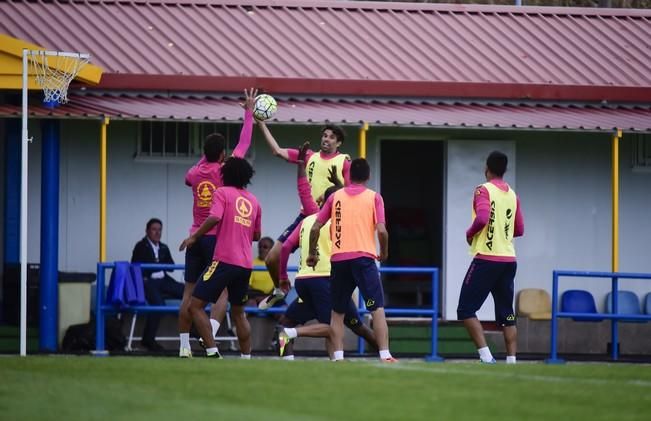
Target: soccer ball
point(265, 107)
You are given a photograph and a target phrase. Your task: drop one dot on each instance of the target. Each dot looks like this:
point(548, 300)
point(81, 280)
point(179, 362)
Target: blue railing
point(614, 317)
point(102, 309)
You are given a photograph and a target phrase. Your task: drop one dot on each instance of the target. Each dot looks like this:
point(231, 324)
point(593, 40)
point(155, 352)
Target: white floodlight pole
point(23, 216)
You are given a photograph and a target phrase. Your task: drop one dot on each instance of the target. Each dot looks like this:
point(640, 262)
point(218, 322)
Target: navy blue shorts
point(220, 275)
point(198, 257)
point(348, 274)
point(487, 277)
point(313, 302)
point(291, 228)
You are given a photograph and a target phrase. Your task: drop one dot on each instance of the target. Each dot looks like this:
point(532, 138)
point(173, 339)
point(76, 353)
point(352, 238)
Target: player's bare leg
point(185, 321)
point(337, 335)
point(242, 328)
point(202, 324)
point(272, 261)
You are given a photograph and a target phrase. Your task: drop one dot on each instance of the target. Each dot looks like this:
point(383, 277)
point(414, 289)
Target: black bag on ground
point(81, 338)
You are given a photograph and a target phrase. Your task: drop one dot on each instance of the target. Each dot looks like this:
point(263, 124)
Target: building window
point(642, 153)
point(174, 141)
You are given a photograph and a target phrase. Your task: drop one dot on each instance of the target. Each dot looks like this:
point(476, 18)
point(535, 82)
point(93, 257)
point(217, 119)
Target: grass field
point(158, 388)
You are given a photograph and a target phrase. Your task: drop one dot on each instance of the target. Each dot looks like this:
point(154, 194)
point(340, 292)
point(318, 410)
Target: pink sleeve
point(258, 221)
point(188, 177)
point(290, 244)
point(482, 206)
point(190, 174)
point(519, 221)
point(292, 155)
point(326, 210)
point(218, 204)
point(379, 209)
point(305, 195)
point(346, 172)
point(245, 135)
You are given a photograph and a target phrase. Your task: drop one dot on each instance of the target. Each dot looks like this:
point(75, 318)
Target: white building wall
point(565, 187)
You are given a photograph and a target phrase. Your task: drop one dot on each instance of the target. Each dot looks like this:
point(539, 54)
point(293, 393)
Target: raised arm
point(304, 190)
point(244, 142)
point(271, 141)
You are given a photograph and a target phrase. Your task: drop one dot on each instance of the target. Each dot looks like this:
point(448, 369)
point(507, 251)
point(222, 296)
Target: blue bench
point(589, 314)
point(102, 308)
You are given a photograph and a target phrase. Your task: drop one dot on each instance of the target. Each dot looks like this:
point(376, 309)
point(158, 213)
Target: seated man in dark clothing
point(158, 284)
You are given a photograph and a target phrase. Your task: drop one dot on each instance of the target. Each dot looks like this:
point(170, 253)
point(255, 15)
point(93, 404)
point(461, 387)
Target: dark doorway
point(412, 187)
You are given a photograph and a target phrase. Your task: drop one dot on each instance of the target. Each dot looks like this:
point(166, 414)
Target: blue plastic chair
point(578, 301)
point(627, 303)
point(647, 303)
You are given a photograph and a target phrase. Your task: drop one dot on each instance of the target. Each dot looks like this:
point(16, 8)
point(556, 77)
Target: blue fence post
point(614, 329)
point(99, 312)
point(554, 328)
point(435, 318)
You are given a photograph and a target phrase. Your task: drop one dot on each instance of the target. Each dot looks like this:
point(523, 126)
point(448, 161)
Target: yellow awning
point(11, 65)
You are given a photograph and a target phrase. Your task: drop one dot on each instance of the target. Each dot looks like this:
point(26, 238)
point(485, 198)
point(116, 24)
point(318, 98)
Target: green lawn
point(149, 388)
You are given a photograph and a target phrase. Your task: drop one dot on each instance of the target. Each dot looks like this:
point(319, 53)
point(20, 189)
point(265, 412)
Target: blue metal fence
point(102, 309)
point(614, 317)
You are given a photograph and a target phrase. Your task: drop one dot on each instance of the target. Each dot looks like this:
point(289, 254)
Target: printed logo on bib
point(205, 190)
point(244, 209)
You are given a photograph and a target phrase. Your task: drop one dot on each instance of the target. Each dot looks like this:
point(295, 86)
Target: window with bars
point(642, 153)
point(176, 141)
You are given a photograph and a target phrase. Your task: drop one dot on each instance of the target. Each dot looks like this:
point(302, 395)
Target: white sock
point(385, 354)
point(185, 340)
point(288, 357)
point(210, 351)
point(510, 359)
point(245, 356)
point(291, 332)
point(485, 354)
point(338, 355)
point(278, 291)
point(215, 327)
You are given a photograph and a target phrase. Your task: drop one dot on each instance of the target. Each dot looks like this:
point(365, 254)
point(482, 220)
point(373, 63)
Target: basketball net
point(54, 71)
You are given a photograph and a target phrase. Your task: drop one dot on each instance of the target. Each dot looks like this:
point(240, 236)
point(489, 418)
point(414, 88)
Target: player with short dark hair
point(356, 213)
point(312, 284)
point(318, 167)
point(497, 219)
point(237, 215)
point(204, 179)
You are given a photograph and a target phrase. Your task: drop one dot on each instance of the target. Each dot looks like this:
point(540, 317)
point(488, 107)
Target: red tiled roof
point(378, 48)
point(442, 114)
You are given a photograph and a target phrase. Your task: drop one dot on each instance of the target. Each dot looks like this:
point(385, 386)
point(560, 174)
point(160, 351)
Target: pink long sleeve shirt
point(205, 177)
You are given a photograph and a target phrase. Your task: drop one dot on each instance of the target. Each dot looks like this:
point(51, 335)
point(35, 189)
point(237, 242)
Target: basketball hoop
point(54, 71)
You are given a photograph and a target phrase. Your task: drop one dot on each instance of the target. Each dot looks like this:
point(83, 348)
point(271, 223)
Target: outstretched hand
point(332, 176)
point(302, 153)
point(249, 101)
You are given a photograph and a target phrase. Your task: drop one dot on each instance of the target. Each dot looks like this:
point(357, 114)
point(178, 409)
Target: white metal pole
point(23, 217)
